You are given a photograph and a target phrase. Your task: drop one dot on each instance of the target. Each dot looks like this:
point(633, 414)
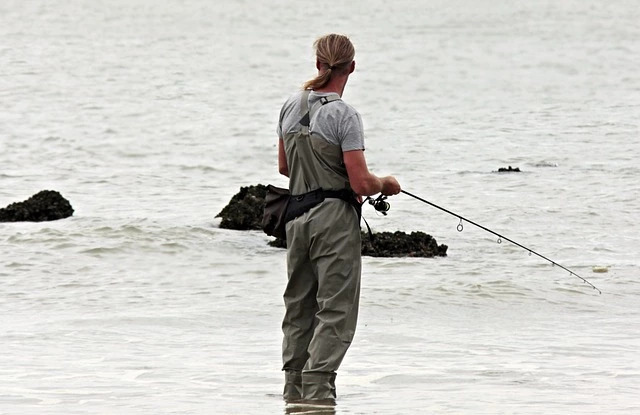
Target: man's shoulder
point(291, 103)
point(294, 98)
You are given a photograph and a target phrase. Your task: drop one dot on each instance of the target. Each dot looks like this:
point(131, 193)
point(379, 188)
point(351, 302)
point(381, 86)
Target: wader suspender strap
point(321, 102)
point(304, 108)
point(307, 113)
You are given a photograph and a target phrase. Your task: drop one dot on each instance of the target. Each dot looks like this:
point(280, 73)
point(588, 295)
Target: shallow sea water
point(148, 117)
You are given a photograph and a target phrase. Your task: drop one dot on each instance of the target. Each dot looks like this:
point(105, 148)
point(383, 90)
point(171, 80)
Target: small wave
point(403, 379)
point(545, 163)
point(173, 247)
point(119, 231)
point(131, 229)
point(202, 168)
point(100, 250)
point(15, 265)
point(75, 284)
point(64, 245)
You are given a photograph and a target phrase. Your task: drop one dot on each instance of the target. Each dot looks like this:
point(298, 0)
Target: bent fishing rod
point(382, 206)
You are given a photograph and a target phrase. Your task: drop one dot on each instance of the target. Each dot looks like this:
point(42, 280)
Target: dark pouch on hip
point(274, 220)
point(300, 204)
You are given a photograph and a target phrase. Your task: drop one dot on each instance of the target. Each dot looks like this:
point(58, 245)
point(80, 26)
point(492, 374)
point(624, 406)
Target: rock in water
point(45, 205)
point(401, 244)
point(245, 209)
point(393, 244)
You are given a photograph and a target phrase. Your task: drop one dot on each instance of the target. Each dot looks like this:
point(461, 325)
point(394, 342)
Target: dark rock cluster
point(393, 244)
point(45, 205)
point(509, 169)
point(401, 244)
point(244, 212)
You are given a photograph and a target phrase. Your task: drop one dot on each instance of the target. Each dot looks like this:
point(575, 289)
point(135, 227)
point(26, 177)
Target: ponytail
point(319, 81)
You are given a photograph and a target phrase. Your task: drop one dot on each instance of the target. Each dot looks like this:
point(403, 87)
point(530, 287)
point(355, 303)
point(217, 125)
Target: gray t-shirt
point(337, 122)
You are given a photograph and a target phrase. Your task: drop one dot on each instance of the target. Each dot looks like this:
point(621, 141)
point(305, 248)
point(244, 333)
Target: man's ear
point(352, 67)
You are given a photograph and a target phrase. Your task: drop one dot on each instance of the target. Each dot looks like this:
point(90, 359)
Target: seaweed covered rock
point(401, 244)
point(244, 211)
point(278, 243)
point(45, 205)
point(509, 169)
point(393, 244)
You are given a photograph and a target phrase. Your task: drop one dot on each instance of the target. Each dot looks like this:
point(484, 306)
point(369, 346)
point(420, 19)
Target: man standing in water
point(321, 146)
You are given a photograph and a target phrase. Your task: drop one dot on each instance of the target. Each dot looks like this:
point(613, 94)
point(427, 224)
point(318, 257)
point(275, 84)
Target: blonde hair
point(335, 53)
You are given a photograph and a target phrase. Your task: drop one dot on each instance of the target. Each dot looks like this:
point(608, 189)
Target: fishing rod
point(382, 206)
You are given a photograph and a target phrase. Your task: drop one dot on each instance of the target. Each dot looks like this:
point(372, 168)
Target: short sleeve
point(352, 133)
point(279, 127)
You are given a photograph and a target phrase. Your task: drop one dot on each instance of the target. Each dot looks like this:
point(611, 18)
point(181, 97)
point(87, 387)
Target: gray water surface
point(149, 116)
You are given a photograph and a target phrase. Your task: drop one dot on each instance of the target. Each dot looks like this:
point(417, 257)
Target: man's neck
point(336, 85)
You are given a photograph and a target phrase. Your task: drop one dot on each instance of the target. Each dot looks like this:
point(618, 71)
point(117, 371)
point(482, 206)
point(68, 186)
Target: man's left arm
point(283, 168)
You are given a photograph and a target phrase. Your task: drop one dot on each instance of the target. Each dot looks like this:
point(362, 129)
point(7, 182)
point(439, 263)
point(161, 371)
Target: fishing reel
point(380, 204)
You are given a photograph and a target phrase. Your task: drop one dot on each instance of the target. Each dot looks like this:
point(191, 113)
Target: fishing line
point(460, 227)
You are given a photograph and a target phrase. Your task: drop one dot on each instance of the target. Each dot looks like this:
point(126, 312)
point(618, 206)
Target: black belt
point(300, 204)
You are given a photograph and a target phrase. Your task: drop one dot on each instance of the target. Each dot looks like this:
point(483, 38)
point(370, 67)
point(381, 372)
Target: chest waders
point(323, 264)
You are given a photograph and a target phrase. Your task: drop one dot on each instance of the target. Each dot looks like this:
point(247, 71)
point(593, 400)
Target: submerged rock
point(509, 169)
point(244, 212)
point(45, 205)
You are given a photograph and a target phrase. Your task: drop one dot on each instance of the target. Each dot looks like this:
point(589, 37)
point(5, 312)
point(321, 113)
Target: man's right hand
point(390, 186)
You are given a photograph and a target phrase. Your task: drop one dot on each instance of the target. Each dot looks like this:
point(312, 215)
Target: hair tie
point(332, 67)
